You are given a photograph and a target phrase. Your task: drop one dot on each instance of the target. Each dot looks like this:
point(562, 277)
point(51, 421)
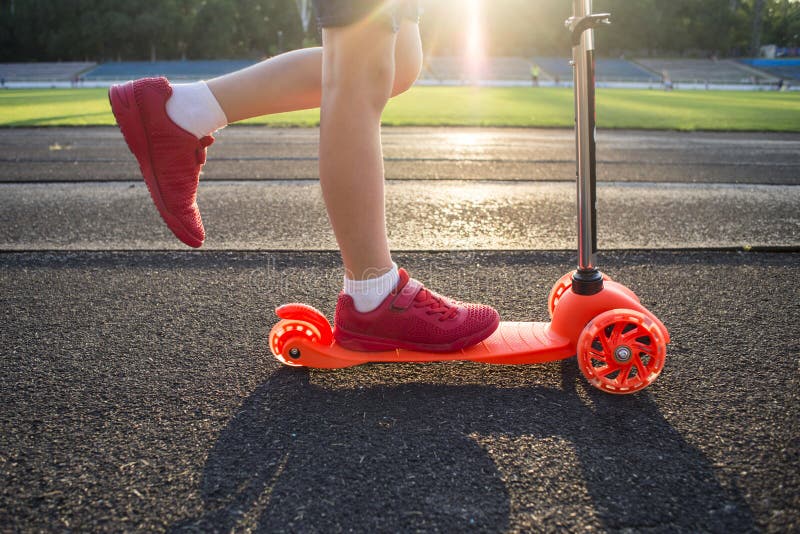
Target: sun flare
point(474, 50)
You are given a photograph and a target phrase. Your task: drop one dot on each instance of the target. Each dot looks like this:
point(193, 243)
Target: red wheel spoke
point(633, 334)
point(641, 347)
point(598, 356)
point(616, 333)
point(640, 369)
point(608, 369)
point(622, 377)
point(603, 341)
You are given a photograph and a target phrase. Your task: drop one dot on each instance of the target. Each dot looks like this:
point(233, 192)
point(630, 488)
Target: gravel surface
point(421, 215)
point(138, 393)
point(257, 153)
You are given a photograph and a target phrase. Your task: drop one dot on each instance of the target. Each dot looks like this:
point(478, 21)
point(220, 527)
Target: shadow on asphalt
point(405, 457)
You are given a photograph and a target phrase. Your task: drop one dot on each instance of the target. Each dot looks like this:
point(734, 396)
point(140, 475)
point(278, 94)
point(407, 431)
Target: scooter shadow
point(302, 457)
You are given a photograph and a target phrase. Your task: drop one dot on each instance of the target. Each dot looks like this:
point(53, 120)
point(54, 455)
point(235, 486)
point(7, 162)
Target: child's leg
point(287, 82)
point(381, 307)
point(293, 81)
point(184, 116)
point(357, 81)
point(362, 63)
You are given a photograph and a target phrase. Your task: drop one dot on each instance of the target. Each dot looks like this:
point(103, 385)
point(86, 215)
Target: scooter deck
point(512, 343)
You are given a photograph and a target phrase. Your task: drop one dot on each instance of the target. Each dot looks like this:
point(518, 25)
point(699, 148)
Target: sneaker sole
point(129, 120)
point(361, 343)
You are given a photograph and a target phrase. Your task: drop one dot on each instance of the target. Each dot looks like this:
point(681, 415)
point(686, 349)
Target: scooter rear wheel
point(621, 351)
point(286, 330)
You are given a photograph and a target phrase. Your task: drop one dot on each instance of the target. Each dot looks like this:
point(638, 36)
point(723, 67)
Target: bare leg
point(287, 82)
point(365, 64)
point(357, 80)
point(293, 81)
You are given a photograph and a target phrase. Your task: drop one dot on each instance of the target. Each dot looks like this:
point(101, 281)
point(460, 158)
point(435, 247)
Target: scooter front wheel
point(621, 351)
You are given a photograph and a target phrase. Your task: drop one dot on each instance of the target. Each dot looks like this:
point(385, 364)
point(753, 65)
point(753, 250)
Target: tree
point(101, 30)
point(782, 23)
point(758, 26)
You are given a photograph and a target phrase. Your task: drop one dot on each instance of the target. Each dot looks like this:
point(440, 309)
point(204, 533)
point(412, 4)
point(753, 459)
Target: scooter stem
point(587, 280)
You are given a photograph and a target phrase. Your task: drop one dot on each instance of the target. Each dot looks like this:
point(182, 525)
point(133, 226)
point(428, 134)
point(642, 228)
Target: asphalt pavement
point(421, 215)
point(247, 153)
point(138, 391)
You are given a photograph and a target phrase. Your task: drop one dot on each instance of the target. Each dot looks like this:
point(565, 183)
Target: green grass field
point(466, 106)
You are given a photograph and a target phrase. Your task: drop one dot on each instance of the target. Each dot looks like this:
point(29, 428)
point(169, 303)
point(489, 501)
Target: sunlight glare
point(465, 139)
point(474, 46)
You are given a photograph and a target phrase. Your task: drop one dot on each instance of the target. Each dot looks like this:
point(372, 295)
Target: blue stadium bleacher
point(787, 69)
point(623, 70)
point(43, 72)
point(455, 68)
point(698, 71)
point(174, 70)
point(555, 67)
point(438, 69)
point(617, 70)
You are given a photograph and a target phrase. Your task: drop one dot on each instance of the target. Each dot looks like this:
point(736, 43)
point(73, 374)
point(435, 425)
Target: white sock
point(194, 108)
point(368, 294)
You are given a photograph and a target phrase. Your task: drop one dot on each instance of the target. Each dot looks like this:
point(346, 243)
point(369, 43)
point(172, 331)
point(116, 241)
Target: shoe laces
point(437, 305)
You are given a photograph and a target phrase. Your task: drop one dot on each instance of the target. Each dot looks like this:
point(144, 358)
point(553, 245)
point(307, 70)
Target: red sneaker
point(170, 157)
point(413, 318)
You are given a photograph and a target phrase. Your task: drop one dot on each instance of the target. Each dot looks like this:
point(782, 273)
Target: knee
point(369, 87)
point(377, 80)
point(363, 78)
point(407, 59)
point(406, 72)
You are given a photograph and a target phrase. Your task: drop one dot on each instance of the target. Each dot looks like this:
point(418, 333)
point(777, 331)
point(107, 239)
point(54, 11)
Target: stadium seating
point(554, 67)
point(705, 70)
point(513, 70)
point(786, 69)
point(620, 70)
point(174, 70)
point(507, 68)
point(455, 68)
point(441, 68)
point(519, 69)
point(616, 70)
point(42, 72)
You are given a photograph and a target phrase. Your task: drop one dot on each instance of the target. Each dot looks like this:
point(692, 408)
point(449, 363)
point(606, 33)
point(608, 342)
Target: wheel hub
point(623, 354)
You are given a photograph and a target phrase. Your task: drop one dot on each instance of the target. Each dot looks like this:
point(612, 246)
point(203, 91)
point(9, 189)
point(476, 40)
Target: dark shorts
point(333, 13)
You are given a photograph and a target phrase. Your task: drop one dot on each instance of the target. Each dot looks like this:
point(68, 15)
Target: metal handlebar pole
point(587, 280)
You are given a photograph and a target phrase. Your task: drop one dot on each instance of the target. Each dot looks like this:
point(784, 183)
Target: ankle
point(194, 108)
point(369, 293)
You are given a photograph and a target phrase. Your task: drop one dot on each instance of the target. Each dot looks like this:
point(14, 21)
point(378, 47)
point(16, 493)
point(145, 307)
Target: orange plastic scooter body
point(574, 311)
point(511, 343)
point(308, 342)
